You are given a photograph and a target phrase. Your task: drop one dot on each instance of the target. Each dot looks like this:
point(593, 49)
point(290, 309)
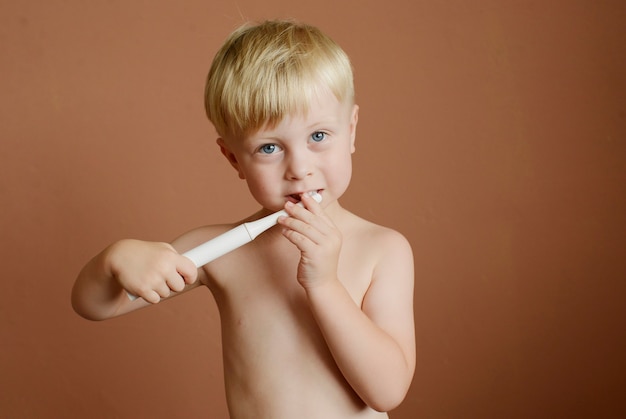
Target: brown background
point(492, 134)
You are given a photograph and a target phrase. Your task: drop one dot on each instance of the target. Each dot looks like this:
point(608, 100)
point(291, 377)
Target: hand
point(317, 238)
point(150, 270)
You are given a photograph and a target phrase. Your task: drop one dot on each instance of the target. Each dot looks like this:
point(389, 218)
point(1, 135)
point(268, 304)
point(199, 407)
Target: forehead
point(323, 109)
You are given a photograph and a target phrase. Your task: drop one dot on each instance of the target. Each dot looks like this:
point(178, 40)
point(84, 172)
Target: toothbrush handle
point(219, 246)
point(214, 248)
point(231, 240)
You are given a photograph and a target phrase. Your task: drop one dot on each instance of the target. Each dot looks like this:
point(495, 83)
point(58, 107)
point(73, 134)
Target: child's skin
point(317, 312)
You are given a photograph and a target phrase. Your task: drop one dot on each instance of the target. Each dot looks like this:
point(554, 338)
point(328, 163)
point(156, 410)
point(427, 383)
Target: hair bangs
point(267, 72)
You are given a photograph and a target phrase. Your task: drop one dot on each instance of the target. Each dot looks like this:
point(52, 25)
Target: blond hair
point(265, 72)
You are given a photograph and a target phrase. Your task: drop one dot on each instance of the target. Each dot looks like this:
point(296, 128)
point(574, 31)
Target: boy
point(317, 312)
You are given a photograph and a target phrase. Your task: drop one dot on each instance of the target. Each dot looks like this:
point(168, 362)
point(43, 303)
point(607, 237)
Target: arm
point(373, 345)
point(147, 269)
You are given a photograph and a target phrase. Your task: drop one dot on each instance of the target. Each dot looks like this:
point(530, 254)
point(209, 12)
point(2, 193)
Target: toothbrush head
point(316, 196)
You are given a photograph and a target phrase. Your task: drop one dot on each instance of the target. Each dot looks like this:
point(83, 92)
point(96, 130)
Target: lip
point(295, 197)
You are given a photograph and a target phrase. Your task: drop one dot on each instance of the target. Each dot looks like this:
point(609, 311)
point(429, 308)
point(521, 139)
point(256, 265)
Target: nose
point(299, 166)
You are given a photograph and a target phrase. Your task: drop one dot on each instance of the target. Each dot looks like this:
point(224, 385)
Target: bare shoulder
point(379, 239)
point(384, 253)
point(196, 237)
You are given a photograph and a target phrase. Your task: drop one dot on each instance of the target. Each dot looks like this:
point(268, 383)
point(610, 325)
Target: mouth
point(296, 197)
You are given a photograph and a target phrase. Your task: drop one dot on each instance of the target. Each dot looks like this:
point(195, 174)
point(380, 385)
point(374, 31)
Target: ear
point(230, 156)
point(354, 119)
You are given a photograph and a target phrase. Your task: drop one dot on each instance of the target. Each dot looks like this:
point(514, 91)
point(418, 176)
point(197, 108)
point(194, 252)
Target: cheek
point(257, 182)
point(258, 191)
point(262, 185)
point(347, 171)
point(340, 169)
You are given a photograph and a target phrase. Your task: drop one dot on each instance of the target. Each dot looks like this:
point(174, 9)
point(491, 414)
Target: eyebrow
point(331, 119)
point(271, 133)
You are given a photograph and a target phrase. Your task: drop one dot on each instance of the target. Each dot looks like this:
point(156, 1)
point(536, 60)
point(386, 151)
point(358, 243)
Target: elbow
point(391, 390)
point(83, 309)
point(82, 312)
point(87, 316)
point(386, 404)
point(390, 397)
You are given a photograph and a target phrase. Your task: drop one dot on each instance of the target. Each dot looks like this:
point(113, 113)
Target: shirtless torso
point(343, 349)
point(276, 362)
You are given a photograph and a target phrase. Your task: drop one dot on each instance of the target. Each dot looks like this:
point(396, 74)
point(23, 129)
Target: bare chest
point(272, 344)
point(260, 279)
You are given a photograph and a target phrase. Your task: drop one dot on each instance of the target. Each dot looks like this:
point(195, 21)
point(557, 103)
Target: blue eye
point(318, 136)
point(268, 148)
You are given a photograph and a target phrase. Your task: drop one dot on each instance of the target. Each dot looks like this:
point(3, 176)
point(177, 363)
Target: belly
point(277, 365)
point(276, 361)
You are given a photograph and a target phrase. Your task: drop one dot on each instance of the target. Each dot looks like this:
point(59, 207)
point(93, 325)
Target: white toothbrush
point(233, 239)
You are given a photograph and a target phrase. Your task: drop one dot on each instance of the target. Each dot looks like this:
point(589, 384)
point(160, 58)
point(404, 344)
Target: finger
point(299, 215)
point(151, 296)
point(312, 205)
point(176, 283)
point(300, 222)
point(305, 237)
point(309, 201)
point(299, 212)
point(162, 289)
point(302, 242)
point(187, 270)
